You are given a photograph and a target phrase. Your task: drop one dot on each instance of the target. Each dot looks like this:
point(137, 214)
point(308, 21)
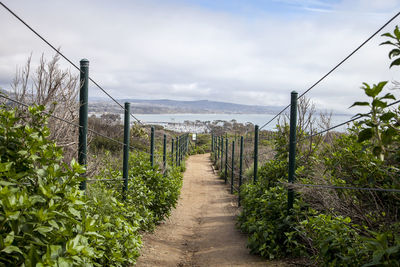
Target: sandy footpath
point(201, 230)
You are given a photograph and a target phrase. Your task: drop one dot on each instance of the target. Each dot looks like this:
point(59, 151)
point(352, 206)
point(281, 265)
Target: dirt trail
point(201, 230)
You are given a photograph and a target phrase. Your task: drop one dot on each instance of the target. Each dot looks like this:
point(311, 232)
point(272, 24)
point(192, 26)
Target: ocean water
point(257, 119)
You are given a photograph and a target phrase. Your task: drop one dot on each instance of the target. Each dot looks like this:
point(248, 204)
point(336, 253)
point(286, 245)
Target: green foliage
point(41, 205)
point(359, 227)
point(47, 221)
point(378, 123)
point(333, 241)
point(384, 247)
point(116, 235)
point(395, 41)
point(164, 188)
point(265, 217)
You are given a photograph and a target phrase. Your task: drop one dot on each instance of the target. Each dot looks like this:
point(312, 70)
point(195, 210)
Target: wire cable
point(350, 55)
point(277, 115)
point(335, 67)
point(343, 123)
point(68, 122)
point(294, 185)
point(65, 57)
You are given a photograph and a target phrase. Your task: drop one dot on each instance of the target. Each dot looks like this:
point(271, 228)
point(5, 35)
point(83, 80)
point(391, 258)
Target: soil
point(201, 230)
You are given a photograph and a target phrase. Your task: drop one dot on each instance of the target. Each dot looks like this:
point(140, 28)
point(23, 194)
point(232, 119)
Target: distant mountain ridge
point(198, 106)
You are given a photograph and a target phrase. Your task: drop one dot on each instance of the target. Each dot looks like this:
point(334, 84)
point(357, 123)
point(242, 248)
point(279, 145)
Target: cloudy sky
point(248, 52)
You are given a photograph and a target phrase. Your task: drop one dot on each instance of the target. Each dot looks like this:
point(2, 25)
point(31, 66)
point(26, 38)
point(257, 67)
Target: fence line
point(322, 186)
point(219, 142)
point(65, 57)
point(68, 122)
point(335, 67)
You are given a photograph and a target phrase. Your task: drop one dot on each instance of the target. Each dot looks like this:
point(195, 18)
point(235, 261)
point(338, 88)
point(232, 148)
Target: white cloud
point(165, 49)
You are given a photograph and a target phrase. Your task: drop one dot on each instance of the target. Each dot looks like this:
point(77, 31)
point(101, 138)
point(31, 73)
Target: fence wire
point(321, 186)
point(65, 57)
point(70, 123)
point(335, 67)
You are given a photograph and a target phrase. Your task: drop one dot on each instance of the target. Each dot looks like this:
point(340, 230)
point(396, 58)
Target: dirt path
point(201, 230)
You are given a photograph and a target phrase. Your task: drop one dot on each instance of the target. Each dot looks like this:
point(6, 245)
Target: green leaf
point(387, 116)
point(395, 63)
point(388, 135)
point(359, 104)
point(365, 134)
point(11, 249)
point(395, 52)
point(74, 212)
point(9, 239)
point(44, 229)
point(378, 103)
point(397, 32)
point(376, 89)
point(388, 96)
point(388, 35)
point(387, 43)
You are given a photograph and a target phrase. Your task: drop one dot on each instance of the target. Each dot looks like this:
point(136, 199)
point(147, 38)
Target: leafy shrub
point(164, 188)
point(266, 220)
point(41, 205)
point(47, 221)
point(383, 248)
point(265, 217)
point(116, 236)
point(333, 241)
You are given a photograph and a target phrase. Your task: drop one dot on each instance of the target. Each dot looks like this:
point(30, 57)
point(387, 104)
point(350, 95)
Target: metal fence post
point(172, 151)
point(165, 152)
point(292, 146)
point(240, 167)
point(255, 153)
point(219, 146)
point(83, 116)
point(222, 152)
point(125, 169)
point(226, 159)
point(212, 142)
point(215, 150)
point(176, 152)
point(179, 150)
point(233, 165)
point(152, 146)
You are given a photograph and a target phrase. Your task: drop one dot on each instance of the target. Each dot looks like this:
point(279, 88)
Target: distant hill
point(199, 106)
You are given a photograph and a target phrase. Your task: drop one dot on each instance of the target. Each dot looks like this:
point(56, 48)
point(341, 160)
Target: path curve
point(201, 230)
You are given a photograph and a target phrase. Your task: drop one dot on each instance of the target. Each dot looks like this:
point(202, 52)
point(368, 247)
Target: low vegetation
point(333, 227)
point(47, 221)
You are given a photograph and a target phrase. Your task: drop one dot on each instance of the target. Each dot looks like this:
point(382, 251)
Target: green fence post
point(172, 151)
point(180, 150)
point(83, 116)
point(165, 153)
point(292, 146)
point(226, 159)
point(255, 153)
point(152, 146)
point(176, 152)
point(233, 165)
point(240, 167)
point(222, 153)
point(125, 169)
point(212, 142)
point(219, 146)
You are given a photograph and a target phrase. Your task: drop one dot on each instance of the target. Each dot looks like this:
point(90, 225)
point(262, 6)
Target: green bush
point(333, 241)
point(265, 218)
point(47, 221)
point(41, 205)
